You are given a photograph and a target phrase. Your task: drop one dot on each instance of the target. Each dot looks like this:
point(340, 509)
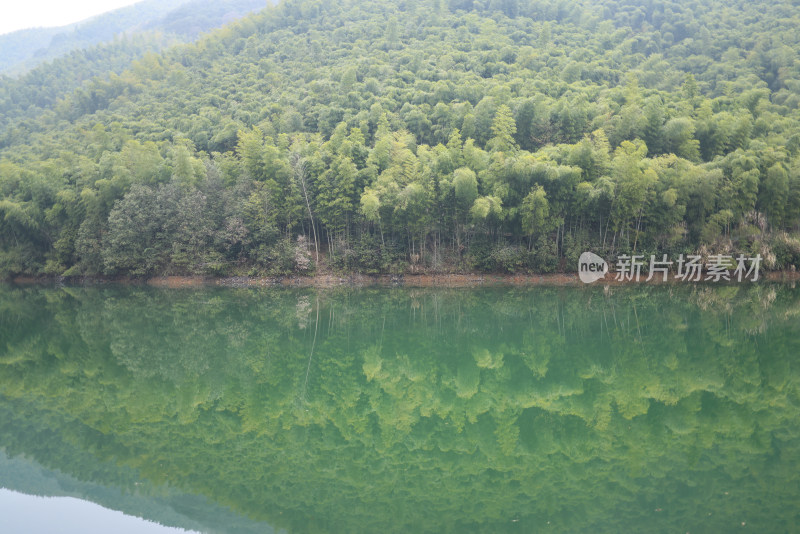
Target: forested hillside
point(183, 20)
point(421, 135)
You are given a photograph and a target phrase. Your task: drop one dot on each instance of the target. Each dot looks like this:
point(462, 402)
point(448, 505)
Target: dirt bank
point(327, 280)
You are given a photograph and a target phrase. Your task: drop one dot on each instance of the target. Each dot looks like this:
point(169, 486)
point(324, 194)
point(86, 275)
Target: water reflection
point(661, 409)
point(68, 515)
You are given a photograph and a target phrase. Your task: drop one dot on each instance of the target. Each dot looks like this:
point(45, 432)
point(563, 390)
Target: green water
point(644, 409)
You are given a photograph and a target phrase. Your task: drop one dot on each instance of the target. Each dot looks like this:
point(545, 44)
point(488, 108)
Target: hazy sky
point(16, 15)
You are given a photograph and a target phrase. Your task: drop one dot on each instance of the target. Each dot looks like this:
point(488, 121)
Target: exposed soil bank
point(361, 280)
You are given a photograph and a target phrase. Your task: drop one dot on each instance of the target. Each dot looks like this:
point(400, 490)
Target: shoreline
point(328, 280)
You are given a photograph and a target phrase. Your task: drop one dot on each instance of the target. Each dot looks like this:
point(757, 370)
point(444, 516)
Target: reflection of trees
point(427, 410)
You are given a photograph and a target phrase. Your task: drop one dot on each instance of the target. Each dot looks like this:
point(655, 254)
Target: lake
point(670, 408)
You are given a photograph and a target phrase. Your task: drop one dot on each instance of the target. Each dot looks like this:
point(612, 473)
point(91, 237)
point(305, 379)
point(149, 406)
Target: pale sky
point(21, 14)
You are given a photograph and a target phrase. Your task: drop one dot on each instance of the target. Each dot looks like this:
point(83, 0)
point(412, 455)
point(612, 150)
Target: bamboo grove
point(376, 136)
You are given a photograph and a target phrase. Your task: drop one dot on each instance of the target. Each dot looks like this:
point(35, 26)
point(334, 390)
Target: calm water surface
point(640, 409)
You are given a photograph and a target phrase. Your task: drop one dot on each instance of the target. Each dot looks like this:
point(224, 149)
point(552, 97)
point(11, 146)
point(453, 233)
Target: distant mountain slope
point(20, 46)
point(127, 35)
point(198, 16)
point(186, 19)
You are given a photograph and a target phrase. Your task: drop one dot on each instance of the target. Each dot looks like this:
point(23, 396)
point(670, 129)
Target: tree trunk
point(300, 173)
